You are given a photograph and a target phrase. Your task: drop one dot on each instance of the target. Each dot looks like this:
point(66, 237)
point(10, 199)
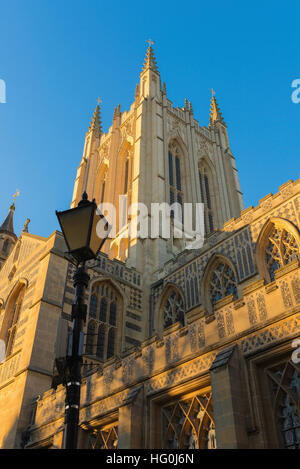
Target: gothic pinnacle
point(95, 124)
point(25, 228)
point(215, 113)
point(150, 61)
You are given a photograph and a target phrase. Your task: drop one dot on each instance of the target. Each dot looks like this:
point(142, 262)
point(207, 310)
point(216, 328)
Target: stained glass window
point(175, 183)
point(10, 322)
point(173, 309)
point(189, 423)
point(284, 380)
point(102, 330)
point(104, 438)
point(126, 176)
point(222, 282)
point(205, 192)
point(281, 249)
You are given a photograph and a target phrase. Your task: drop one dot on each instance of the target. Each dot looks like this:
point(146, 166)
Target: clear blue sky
point(57, 57)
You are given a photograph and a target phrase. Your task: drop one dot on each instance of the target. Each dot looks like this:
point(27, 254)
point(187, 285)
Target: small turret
point(8, 237)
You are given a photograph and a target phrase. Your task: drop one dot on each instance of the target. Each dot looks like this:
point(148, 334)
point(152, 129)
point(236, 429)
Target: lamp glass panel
point(96, 241)
point(75, 224)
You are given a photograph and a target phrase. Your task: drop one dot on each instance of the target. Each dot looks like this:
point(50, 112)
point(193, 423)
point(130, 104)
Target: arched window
point(175, 182)
point(221, 282)
point(126, 172)
point(103, 311)
point(281, 249)
point(284, 381)
point(8, 332)
point(173, 309)
point(205, 182)
point(277, 245)
point(102, 192)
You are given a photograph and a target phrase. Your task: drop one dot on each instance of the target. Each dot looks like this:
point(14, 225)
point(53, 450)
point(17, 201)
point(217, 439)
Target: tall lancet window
point(205, 182)
point(102, 192)
point(8, 332)
point(103, 321)
point(175, 183)
point(126, 172)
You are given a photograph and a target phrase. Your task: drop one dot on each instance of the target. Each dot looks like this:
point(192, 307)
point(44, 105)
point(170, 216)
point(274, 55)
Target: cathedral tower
point(158, 153)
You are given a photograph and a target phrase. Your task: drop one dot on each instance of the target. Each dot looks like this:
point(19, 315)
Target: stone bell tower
point(158, 153)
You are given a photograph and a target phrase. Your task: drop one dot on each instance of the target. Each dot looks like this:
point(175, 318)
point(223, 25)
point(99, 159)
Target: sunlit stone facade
point(184, 348)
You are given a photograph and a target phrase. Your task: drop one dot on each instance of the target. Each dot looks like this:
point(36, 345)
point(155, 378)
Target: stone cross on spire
point(17, 193)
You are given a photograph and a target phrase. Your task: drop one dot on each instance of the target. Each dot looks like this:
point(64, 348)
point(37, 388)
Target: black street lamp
point(79, 227)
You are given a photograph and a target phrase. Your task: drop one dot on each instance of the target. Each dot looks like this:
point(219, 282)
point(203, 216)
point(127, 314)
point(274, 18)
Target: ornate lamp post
point(79, 228)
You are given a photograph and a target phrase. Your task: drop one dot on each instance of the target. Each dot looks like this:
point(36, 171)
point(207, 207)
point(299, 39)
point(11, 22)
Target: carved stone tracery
point(189, 423)
point(281, 249)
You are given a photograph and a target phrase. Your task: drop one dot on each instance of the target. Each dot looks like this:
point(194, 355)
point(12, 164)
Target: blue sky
point(57, 57)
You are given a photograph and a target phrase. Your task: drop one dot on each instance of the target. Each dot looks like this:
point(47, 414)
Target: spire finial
point(150, 61)
point(215, 113)
point(150, 42)
point(96, 119)
point(25, 228)
point(16, 194)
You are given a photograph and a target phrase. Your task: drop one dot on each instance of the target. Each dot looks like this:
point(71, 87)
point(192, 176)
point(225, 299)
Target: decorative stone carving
point(171, 347)
point(229, 322)
point(296, 288)
point(286, 294)
point(251, 311)
point(261, 306)
point(221, 325)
